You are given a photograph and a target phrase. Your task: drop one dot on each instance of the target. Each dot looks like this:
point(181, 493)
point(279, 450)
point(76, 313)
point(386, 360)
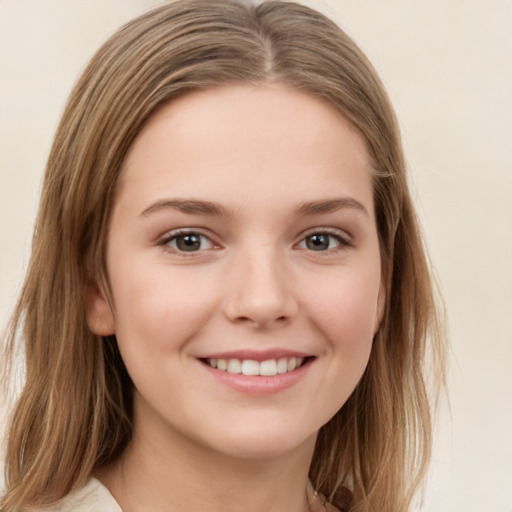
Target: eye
point(188, 242)
point(322, 241)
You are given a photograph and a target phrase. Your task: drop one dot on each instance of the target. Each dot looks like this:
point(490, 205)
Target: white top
point(93, 497)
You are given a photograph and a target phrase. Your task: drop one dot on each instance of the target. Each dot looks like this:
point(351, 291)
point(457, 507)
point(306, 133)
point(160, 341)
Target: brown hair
point(74, 413)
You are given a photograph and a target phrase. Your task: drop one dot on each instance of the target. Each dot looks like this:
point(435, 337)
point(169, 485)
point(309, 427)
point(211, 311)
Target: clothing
point(93, 497)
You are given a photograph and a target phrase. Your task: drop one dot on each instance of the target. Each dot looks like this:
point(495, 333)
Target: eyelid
point(164, 239)
point(344, 238)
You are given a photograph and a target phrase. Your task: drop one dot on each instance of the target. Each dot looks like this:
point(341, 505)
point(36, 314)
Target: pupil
point(317, 242)
point(188, 243)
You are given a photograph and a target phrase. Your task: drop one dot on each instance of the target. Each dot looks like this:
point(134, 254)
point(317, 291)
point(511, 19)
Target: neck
point(163, 470)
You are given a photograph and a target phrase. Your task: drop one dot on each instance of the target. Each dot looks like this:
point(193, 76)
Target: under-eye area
point(252, 367)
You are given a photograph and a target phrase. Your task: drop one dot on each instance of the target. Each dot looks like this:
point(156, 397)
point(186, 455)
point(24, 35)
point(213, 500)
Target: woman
point(228, 300)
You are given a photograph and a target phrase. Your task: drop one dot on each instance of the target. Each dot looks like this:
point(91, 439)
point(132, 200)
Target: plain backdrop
point(447, 65)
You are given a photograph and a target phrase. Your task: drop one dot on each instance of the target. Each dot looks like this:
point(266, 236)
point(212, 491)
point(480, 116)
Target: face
point(245, 270)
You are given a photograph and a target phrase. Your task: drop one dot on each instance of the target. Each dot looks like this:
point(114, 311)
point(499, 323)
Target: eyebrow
point(330, 205)
point(190, 206)
point(198, 207)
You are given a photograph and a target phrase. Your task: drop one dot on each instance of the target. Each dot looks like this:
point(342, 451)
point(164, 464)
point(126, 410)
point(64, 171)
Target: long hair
point(74, 412)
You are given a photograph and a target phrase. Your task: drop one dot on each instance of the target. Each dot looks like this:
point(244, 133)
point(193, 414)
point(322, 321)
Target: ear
point(100, 318)
point(381, 307)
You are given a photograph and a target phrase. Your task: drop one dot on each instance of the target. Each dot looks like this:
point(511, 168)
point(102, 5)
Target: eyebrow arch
point(190, 206)
point(330, 205)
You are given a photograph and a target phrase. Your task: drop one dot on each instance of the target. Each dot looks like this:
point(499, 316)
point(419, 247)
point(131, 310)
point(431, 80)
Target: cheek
point(157, 314)
point(159, 310)
point(346, 307)
point(344, 312)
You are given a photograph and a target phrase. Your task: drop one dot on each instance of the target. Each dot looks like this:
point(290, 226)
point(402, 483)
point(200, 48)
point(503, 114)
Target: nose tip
point(261, 316)
point(261, 295)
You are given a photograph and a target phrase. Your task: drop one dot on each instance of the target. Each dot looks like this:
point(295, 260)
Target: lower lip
point(259, 384)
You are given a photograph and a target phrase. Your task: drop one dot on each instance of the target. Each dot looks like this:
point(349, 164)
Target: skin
point(281, 166)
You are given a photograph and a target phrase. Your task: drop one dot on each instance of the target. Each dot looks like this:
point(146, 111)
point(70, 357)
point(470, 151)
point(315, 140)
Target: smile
point(268, 367)
point(256, 372)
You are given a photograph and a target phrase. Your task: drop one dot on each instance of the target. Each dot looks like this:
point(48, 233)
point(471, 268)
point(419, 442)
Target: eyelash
point(342, 240)
point(168, 238)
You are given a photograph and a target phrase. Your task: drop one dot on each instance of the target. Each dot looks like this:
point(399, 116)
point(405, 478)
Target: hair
point(74, 413)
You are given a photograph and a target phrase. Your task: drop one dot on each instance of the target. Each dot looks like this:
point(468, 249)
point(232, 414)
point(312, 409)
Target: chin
point(260, 443)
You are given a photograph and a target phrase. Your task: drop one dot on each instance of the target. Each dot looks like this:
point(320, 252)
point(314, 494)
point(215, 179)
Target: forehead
point(242, 141)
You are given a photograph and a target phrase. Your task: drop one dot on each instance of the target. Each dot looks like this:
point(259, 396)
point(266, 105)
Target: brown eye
point(189, 242)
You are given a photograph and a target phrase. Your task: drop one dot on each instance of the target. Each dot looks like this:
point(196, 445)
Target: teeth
point(234, 366)
point(292, 363)
point(250, 367)
point(268, 367)
point(282, 365)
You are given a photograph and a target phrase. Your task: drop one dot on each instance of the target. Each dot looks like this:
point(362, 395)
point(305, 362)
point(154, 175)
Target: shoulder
point(93, 497)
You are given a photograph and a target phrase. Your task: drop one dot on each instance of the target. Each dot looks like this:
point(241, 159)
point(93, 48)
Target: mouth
point(252, 367)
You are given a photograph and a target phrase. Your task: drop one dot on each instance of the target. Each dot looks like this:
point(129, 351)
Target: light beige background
point(448, 67)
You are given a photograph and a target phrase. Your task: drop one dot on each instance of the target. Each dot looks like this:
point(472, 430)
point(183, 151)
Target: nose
point(260, 291)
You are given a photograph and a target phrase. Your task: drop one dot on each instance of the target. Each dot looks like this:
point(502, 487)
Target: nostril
point(260, 307)
point(262, 322)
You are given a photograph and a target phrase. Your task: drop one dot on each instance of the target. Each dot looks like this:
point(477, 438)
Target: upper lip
point(255, 355)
